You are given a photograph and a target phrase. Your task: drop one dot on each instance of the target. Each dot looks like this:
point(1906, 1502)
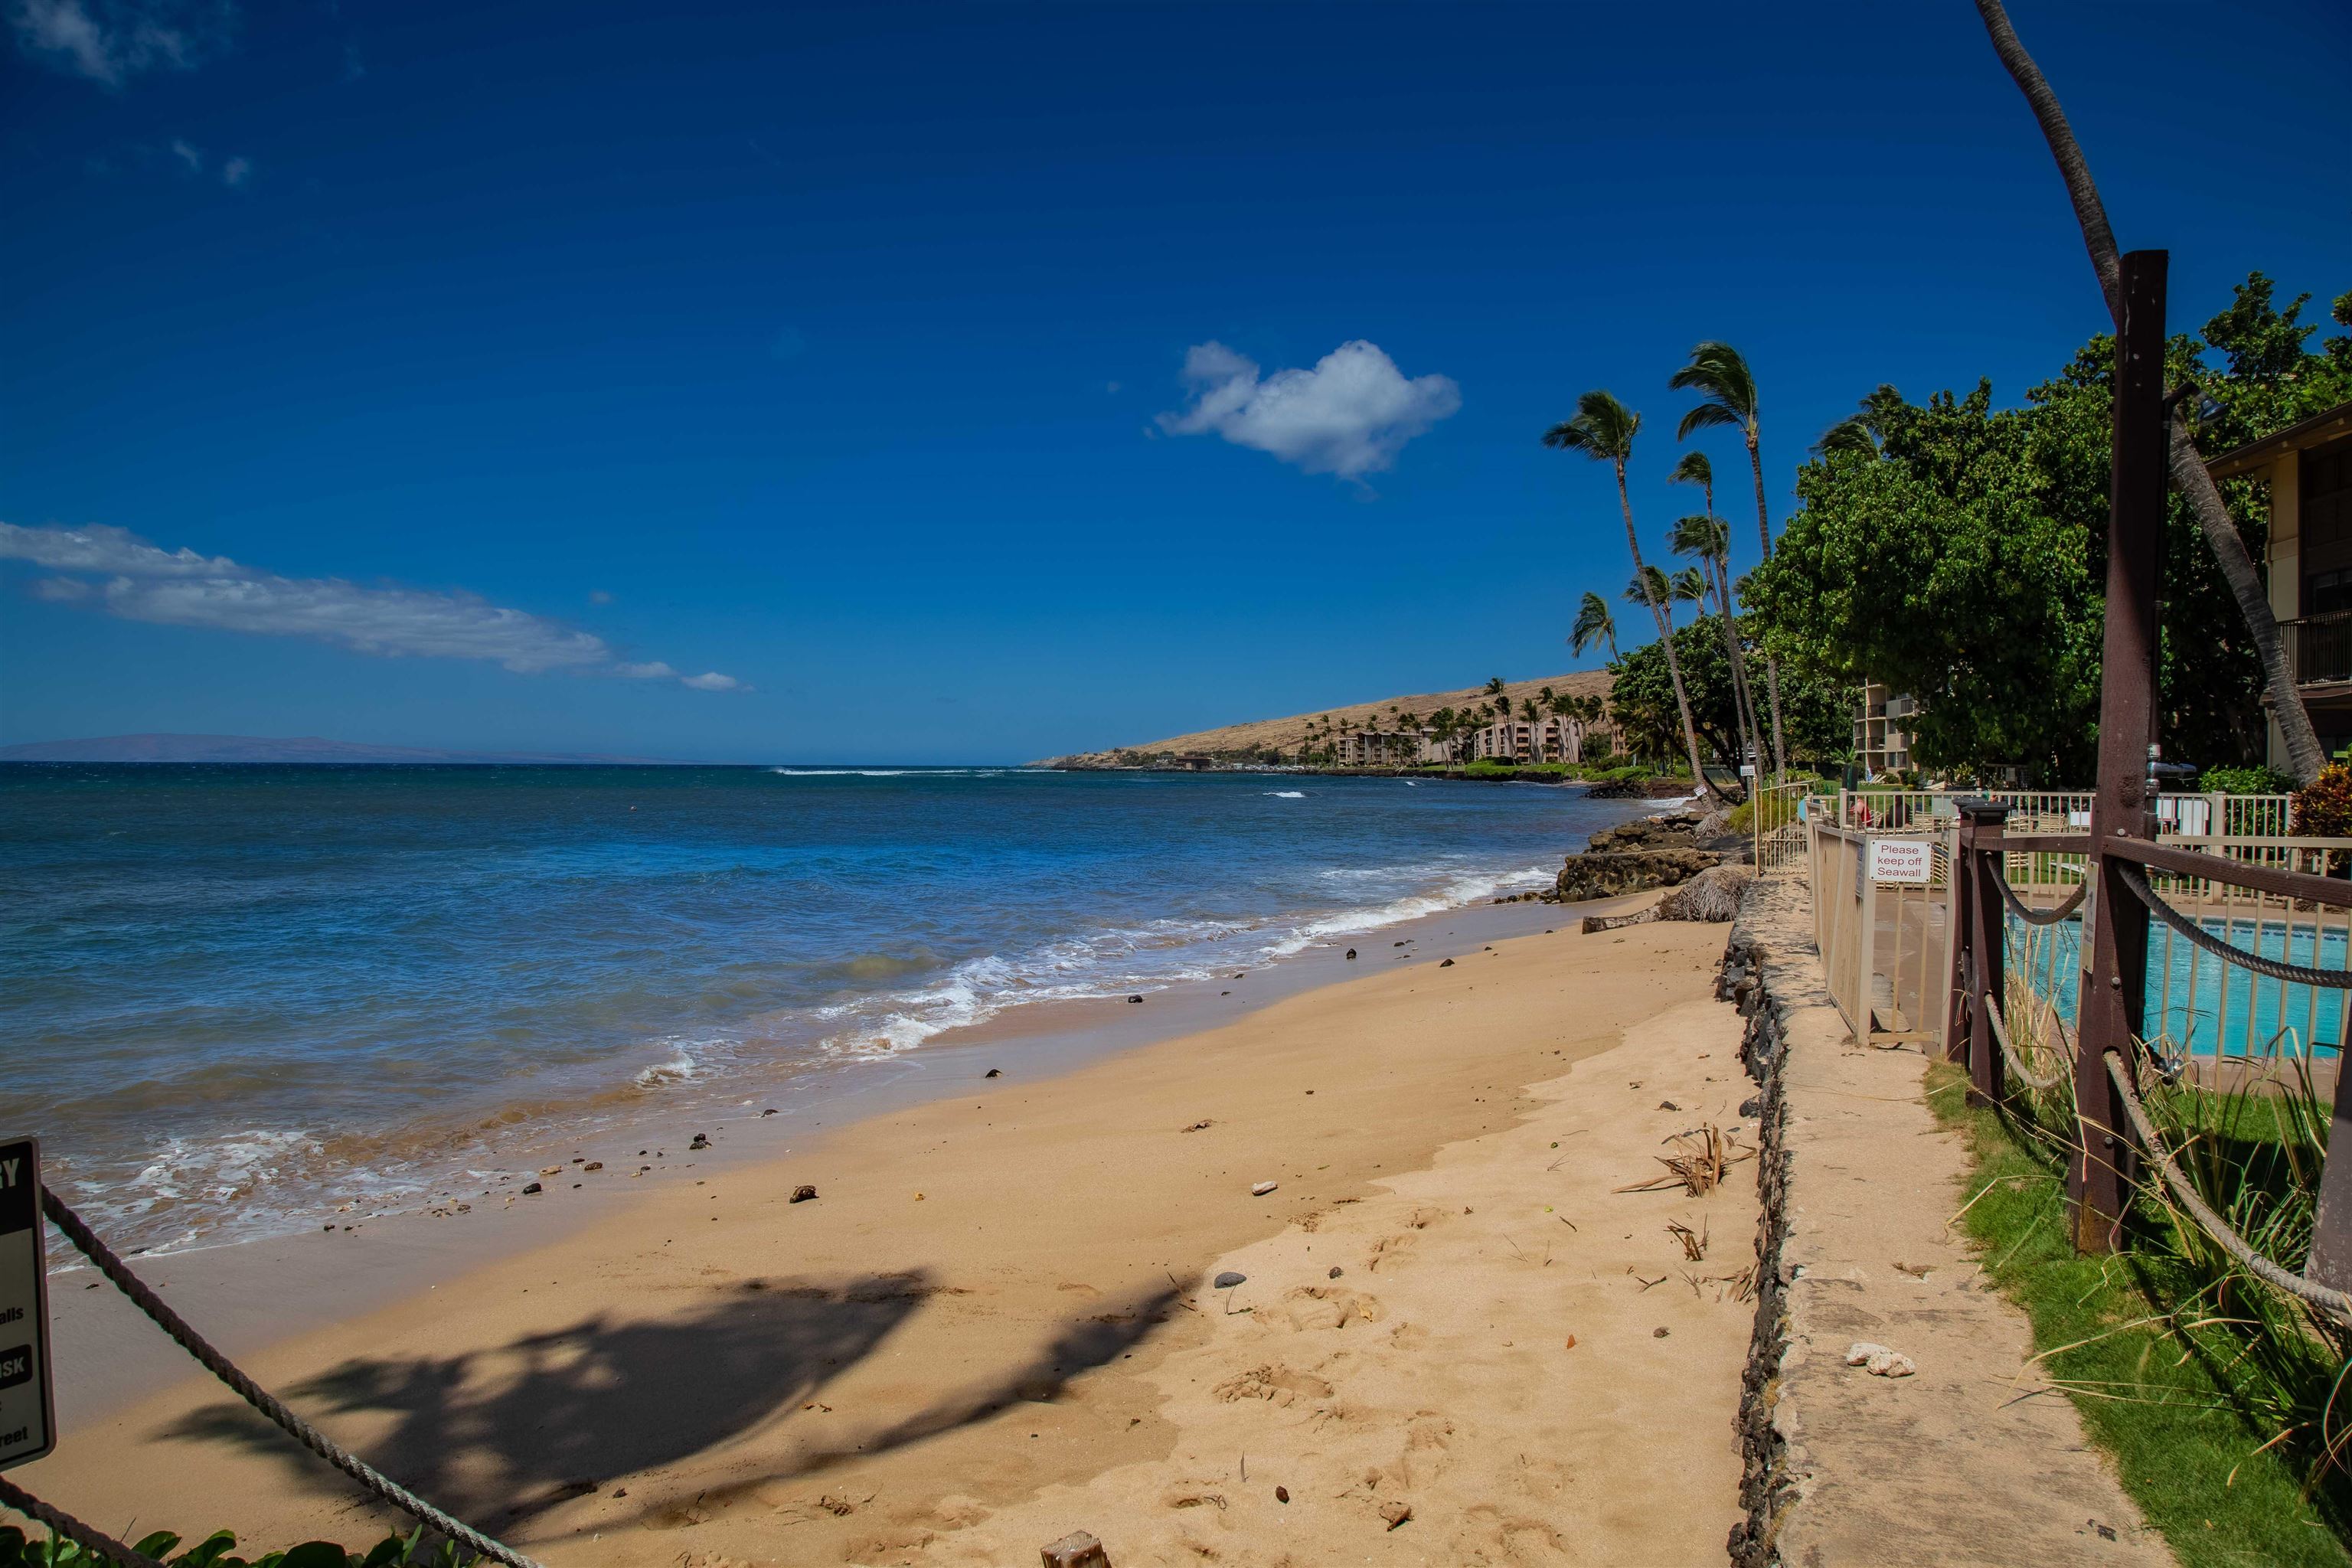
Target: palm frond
point(1693, 469)
point(1707, 417)
point(1700, 534)
point(1602, 429)
point(1851, 434)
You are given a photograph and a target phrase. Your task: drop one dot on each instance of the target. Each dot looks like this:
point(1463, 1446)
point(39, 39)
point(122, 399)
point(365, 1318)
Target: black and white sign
point(28, 1414)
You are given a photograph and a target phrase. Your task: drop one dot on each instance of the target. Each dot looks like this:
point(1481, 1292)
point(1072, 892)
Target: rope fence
point(2336, 1303)
point(2041, 1083)
point(2034, 917)
point(64, 1526)
point(2228, 952)
point(373, 1481)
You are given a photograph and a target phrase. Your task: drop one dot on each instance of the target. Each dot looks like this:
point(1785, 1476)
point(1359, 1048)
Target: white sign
point(1901, 859)
point(28, 1421)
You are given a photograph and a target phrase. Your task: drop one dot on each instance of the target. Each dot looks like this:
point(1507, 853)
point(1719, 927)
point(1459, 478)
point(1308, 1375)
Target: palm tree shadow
point(521, 1428)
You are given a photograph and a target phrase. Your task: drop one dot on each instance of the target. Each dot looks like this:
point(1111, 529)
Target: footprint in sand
point(1274, 1381)
point(1328, 1307)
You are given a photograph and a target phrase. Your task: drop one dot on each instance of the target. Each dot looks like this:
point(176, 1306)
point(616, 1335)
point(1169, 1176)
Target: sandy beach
point(995, 1323)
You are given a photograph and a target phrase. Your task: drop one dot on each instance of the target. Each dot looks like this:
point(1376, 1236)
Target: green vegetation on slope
point(2201, 1394)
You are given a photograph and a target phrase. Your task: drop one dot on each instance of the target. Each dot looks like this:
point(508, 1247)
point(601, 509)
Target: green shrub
point(215, 1551)
point(2244, 781)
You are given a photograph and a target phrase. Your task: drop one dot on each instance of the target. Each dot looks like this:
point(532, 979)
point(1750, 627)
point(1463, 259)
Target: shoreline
point(107, 1353)
point(876, 1350)
point(220, 1178)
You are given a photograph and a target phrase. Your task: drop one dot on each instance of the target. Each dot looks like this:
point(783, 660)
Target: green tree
point(1819, 710)
point(1719, 374)
point(1593, 623)
point(1603, 429)
point(2223, 536)
point(1694, 468)
point(1959, 554)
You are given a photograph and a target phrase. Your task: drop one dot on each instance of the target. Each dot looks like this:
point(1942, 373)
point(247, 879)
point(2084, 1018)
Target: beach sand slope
point(996, 1324)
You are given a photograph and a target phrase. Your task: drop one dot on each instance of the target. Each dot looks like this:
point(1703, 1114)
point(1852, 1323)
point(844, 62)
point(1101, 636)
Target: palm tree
point(1728, 391)
point(1705, 537)
point(1603, 429)
point(1696, 470)
point(1593, 623)
point(2190, 479)
point(1648, 585)
point(1692, 586)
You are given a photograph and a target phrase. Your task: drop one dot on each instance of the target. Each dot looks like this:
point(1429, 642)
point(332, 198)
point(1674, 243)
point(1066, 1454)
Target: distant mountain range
point(269, 748)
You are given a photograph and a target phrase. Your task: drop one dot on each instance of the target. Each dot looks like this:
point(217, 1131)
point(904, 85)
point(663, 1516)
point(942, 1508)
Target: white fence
point(1880, 864)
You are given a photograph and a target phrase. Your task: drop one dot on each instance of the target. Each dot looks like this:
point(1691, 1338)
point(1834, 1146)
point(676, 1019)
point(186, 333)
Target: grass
point(2204, 1400)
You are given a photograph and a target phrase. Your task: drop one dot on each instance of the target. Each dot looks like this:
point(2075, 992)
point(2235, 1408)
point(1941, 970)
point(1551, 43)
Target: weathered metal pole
point(1961, 921)
point(2114, 988)
point(1983, 823)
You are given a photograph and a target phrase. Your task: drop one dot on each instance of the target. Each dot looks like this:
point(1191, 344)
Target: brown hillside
point(1286, 734)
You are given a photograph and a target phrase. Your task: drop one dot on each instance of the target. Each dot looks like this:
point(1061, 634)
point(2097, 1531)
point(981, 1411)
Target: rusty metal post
point(2113, 988)
point(1988, 1075)
point(1962, 922)
point(2330, 1261)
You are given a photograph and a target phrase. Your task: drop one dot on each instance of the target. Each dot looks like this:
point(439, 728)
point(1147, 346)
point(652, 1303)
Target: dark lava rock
point(1676, 830)
point(531, 1189)
point(1444, 963)
point(802, 1194)
point(1607, 874)
point(1668, 1105)
point(1229, 1279)
point(1134, 998)
point(1752, 1106)
point(1336, 1271)
point(993, 1072)
point(701, 1140)
point(1351, 952)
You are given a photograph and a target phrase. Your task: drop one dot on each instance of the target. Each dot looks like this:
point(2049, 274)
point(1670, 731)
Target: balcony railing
point(2319, 648)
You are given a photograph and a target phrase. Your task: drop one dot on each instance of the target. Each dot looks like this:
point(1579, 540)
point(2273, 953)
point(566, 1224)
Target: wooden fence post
point(1960, 921)
point(2113, 988)
point(1981, 826)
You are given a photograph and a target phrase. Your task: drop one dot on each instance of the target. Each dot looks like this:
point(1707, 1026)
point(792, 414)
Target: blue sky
point(503, 366)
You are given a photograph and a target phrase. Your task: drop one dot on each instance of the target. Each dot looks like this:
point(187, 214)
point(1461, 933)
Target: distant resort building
point(1551, 738)
point(2308, 470)
point(1881, 742)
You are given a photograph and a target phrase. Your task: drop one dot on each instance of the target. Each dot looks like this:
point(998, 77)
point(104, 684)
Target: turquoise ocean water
point(233, 992)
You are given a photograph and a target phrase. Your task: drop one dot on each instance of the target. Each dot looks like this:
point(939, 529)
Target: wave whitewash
point(240, 994)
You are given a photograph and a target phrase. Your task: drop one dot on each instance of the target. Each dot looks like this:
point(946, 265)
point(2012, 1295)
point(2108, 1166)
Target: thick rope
point(65, 1525)
point(2039, 917)
point(2229, 952)
point(261, 1399)
point(2333, 1302)
point(2041, 1082)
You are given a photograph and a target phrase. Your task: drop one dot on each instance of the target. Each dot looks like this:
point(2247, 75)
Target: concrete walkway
point(1958, 1464)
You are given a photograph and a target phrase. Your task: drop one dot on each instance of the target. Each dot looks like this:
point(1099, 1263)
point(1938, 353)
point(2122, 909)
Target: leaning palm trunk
point(1771, 665)
point(2189, 478)
point(1666, 636)
point(1743, 707)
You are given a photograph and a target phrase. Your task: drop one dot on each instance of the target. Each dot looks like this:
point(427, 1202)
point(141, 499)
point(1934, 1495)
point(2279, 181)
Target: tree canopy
point(1817, 709)
point(1956, 552)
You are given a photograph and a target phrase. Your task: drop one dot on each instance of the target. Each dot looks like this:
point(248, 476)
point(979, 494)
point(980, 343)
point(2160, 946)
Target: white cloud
point(111, 41)
point(180, 587)
point(600, 597)
point(1349, 416)
point(236, 171)
point(188, 155)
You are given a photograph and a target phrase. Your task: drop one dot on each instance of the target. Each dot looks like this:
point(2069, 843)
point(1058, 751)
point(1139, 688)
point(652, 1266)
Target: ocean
point(233, 995)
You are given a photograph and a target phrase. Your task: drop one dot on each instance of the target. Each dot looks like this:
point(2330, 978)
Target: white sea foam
point(1287, 793)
